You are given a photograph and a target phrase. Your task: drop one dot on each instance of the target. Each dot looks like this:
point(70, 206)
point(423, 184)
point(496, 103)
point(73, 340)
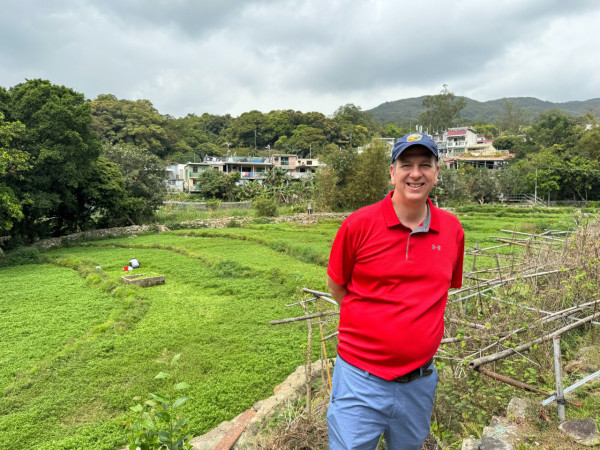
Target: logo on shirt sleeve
point(439, 247)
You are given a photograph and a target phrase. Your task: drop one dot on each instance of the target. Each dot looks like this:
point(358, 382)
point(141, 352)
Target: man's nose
point(415, 171)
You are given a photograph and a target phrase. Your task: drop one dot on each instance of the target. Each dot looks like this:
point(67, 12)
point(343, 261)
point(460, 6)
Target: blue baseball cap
point(414, 139)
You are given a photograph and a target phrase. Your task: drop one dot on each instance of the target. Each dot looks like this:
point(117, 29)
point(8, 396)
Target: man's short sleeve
point(457, 273)
point(341, 258)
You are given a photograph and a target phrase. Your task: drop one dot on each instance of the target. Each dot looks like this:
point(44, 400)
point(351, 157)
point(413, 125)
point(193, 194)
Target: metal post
point(560, 396)
point(535, 193)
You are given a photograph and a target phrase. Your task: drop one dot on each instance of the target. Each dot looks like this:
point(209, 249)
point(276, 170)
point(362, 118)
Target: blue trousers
point(363, 406)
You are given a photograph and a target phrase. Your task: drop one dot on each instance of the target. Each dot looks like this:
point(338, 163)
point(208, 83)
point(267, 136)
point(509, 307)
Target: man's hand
point(338, 291)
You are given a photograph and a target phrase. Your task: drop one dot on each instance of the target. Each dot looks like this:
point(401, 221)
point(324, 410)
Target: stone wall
point(223, 222)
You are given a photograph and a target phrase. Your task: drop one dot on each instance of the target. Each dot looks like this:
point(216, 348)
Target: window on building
point(285, 160)
point(195, 169)
point(309, 163)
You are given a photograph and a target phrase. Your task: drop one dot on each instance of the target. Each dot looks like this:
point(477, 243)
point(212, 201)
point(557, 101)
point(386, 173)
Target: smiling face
point(413, 174)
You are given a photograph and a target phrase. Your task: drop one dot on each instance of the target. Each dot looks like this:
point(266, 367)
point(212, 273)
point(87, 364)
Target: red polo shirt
point(392, 318)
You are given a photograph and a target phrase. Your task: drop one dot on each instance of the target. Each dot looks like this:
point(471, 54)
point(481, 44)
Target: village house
point(192, 172)
point(250, 168)
point(296, 168)
point(175, 177)
point(185, 177)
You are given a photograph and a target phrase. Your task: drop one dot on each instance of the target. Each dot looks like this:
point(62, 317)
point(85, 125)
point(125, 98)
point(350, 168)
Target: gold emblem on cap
point(414, 137)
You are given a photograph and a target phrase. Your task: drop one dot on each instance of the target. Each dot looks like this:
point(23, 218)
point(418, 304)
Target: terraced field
point(78, 345)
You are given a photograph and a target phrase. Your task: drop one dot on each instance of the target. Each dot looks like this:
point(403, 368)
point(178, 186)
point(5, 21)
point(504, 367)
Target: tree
point(513, 119)
point(247, 130)
point(395, 132)
point(554, 127)
point(441, 110)
point(216, 184)
point(482, 185)
point(541, 169)
point(326, 192)
point(507, 142)
point(487, 130)
point(13, 163)
point(61, 147)
point(589, 145)
point(349, 117)
point(129, 122)
point(276, 182)
point(342, 162)
point(369, 182)
point(451, 186)
point(303, 140)
point(107, 202)
point(144, 175)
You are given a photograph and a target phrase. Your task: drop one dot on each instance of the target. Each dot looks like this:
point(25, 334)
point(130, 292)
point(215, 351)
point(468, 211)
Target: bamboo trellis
point(538, 258)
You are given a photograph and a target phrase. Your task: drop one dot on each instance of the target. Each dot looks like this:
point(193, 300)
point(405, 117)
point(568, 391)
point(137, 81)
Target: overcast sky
point(232, 56)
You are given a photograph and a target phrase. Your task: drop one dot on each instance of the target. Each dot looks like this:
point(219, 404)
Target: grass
point(215, 310)
point(81, 345)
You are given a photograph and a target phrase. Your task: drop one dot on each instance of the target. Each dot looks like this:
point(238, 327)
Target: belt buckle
point(408, 377)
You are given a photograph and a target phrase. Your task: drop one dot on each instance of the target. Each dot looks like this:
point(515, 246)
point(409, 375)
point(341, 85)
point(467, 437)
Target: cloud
point(229, 56)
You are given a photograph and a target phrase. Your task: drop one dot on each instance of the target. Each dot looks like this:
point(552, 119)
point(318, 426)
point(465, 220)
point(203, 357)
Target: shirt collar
point(431, 222)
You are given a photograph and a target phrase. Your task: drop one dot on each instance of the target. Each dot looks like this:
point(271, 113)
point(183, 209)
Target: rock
point(470, 444)
point(521, 408)
point(583, 431)
point(586, 361)
point(431, 443)
point(501, 428)
point(491, 443)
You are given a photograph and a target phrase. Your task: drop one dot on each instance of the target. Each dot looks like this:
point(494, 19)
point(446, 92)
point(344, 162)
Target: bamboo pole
point(524, 347)
point(451, 340)
point(325, 355)
point(544, 235)
point(537, 274)
point(549, 318)
point(322, 295)
point(305, 317)
point(464, 322)
point(560, 397)
point(511, 381)
point(332, 335)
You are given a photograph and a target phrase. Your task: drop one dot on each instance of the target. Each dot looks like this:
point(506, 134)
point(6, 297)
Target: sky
point(232, 56)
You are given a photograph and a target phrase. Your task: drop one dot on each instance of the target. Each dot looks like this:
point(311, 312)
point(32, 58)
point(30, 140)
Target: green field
point(78, 345)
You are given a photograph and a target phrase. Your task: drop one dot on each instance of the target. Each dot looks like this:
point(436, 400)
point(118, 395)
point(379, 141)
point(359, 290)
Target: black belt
point(417, 373)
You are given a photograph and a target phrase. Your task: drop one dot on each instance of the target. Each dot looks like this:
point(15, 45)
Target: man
point(390, 269)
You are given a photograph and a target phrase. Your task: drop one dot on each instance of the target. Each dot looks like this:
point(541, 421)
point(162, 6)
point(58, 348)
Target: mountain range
point(409, 109)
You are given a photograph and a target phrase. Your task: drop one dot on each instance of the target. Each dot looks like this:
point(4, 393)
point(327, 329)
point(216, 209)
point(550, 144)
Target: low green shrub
point(264, 207)
point(21, 256)
point(213, 204)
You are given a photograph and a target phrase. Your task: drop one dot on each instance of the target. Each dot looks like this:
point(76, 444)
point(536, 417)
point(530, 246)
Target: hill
point(409, 109)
